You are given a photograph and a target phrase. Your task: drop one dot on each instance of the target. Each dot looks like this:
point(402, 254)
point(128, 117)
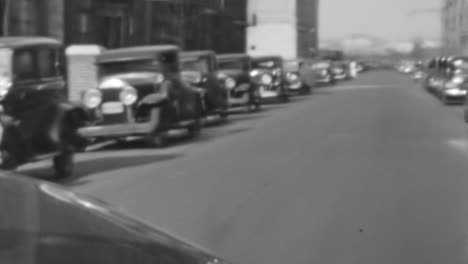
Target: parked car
point(324, 72)
point(340, 70)
point(300, 78)
point(200, 69)
point(268, 73)
point(141, 94)
point(37, 119)
point(448, 79)
point(234, 72)
point(45, 223)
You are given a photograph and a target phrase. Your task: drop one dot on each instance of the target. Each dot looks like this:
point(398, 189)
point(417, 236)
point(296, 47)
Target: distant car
point(47, 223)
point(268, 73)
point(323, 72)
point(200, 69)
point(447, 79)
point(300, 78)
point(234, 73)
point(340, 70)
point(141, 94)
point(38, 121)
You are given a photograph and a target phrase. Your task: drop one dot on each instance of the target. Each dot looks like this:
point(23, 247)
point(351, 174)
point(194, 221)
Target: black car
point(45, 223)
point(268, 73)
point(234, 72)
point(38, 120)
point(200, 69)
point(141, 94)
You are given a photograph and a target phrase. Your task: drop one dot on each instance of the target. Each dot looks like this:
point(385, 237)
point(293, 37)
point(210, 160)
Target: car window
point(119, 67)
point(230, 65)
point(200, 65)
point(24, 65)
point(265, 64)
point(47, 59)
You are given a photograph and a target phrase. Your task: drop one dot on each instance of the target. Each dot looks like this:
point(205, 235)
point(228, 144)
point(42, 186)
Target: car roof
point(231, 56)
point(133, 53)
point(197, 53)
point(20, 42)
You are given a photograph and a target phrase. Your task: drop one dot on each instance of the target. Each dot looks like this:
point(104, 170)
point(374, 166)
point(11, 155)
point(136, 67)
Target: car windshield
point(265, 64)
point(119, 67)
point(200, 65)
point(231, 65)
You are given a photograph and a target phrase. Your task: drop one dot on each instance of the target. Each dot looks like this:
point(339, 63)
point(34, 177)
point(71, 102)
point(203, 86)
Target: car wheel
point(195, 129)
point(64, 165)
point(9, 162)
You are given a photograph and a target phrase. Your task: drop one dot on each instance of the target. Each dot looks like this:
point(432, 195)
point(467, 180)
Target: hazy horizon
point(388, 19)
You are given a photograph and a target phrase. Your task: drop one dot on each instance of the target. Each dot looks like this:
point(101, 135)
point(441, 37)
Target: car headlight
point(128, 95)
point(92, 98)
point(292, 77)
point(5, 86)
point(458, 80)
point(266, 79)
point(230, 83)
point(254, 73)
point(324, 72)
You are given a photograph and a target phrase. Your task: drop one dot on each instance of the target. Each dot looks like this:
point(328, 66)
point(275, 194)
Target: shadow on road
point(98, 165)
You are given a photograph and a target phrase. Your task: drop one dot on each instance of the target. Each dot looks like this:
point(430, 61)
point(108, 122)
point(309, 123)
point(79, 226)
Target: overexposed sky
point(388, 19)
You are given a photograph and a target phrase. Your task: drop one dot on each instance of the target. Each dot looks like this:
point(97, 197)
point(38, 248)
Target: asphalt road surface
point(372, 171)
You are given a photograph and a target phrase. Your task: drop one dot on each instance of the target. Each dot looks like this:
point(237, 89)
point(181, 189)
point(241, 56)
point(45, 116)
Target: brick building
point(191, 24)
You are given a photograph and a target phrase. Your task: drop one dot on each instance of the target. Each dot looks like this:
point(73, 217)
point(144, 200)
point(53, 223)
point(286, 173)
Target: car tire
point(9, 163)
point(64, 165)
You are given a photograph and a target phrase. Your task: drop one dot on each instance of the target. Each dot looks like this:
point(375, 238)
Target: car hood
point(62, 224)
point(135, 78)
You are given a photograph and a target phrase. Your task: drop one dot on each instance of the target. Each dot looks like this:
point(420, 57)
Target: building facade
point(192, 24)
point(285, 27)
point(455, 27)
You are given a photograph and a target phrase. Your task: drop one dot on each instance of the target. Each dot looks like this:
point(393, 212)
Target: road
point(371, 171)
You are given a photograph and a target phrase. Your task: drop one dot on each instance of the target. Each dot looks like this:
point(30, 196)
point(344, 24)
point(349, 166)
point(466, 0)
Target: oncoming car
point(141, 94)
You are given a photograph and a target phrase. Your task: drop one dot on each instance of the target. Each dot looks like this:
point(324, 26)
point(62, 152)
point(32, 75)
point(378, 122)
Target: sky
point(388, 19)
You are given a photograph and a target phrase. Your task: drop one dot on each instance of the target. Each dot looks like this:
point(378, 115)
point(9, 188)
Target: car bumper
point(120, 130)
point(455, 99)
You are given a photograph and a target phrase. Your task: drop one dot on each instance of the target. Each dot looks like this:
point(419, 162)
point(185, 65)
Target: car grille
point(112, 95)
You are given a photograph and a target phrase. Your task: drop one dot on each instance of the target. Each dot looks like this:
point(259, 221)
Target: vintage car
point(341, 70)
point(200, 69)
point(44, 223)
point(234, 72)
point(300, 77)
point(268, 73)
point(38, 120)
point(323, 72)
point(141, 94)
point(448, 79)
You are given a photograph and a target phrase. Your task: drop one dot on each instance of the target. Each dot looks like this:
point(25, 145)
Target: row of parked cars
point(55, 102)
point(444, 77)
